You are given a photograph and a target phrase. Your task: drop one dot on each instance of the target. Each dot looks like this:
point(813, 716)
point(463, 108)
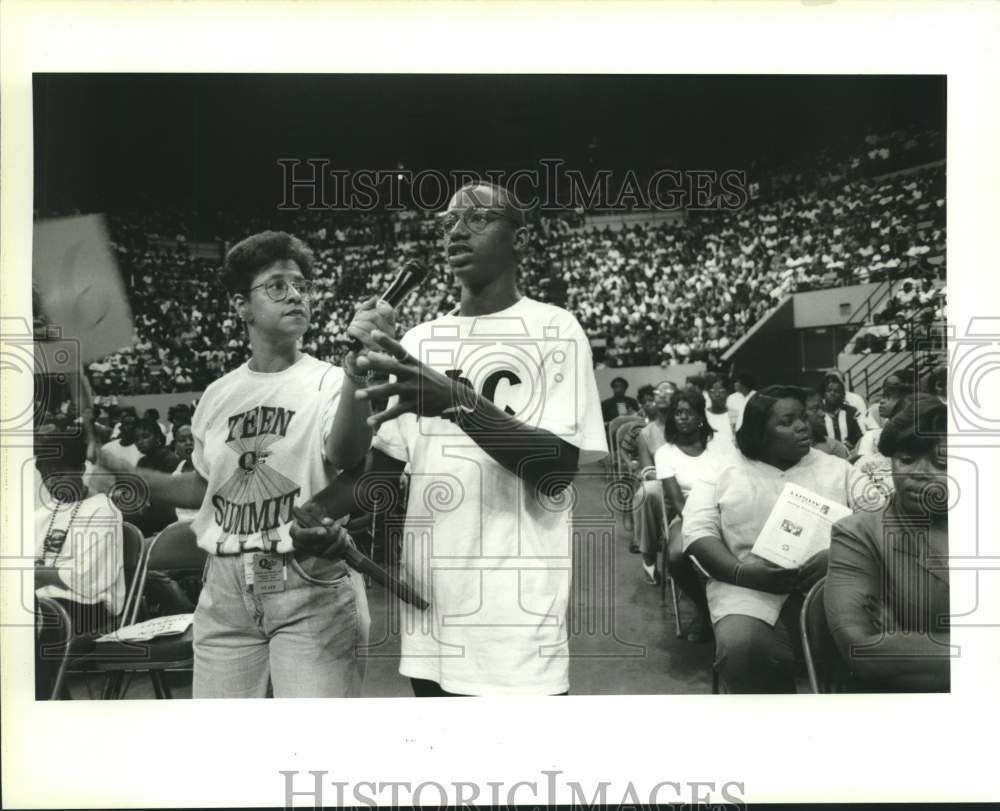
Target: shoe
point(652, 579)
point(634, 548)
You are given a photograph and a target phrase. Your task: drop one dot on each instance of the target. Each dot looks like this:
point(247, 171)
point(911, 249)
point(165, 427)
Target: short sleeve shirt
point(489, 554)
point(258, 442)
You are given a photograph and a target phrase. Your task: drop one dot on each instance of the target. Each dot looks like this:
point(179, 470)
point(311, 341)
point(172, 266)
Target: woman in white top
point(184, 447)
point(755, 605)
point(681, 461)
point(717, 413)
point(267, 437)
point(647, 502)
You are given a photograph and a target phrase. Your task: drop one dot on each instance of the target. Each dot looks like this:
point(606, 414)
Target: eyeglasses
point(277, 289)
point(476, 218)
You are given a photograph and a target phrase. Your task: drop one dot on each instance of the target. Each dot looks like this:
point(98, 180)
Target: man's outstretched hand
point(421, 390)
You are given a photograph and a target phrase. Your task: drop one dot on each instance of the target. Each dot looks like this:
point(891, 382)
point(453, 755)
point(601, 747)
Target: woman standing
point(755, 605)
point(268, 436)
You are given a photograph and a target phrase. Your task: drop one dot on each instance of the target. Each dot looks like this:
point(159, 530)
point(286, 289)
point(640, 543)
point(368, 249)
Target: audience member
point(717, 413)
point(618, 404)
point(887, 594)
point(754, 604)
point(688, 455)
point(817, 425)
point(842, 420)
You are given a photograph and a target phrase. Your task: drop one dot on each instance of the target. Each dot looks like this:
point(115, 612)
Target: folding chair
point(665, 577)
point(53, 638)
point(827, 671)
point(82, 656)
point(624, 431)
point(174, 551)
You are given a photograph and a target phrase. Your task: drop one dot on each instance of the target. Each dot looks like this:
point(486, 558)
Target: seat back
point(827, 671)
point(175, 553)
point(622, 431)
point(133, 551)
point(53, 639)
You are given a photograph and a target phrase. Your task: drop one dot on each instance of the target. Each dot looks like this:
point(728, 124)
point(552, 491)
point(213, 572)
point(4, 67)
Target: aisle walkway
point(622, 639)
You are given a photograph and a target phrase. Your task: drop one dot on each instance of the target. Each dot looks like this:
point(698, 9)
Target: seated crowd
point(710, 465)
point(706, 479)
point(653, 293)
point(711, 458)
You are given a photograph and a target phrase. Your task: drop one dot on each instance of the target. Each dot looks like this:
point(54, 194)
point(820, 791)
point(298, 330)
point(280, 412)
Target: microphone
point(409, 278)
point(339, 499)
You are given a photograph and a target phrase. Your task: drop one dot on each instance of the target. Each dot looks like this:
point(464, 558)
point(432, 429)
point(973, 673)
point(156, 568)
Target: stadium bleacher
point(651, 293)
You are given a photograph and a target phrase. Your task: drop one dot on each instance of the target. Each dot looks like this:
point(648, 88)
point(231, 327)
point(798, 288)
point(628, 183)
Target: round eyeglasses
point(277, 289)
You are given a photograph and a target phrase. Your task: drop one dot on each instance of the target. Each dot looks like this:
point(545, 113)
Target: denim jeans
point(307, 640)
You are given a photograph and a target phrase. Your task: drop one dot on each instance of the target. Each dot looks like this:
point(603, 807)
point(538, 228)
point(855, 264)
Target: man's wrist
point(350, 369)
point(465, 413)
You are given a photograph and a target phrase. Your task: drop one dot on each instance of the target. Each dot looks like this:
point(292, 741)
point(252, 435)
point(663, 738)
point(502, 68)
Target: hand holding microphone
point(373, 314)
point(379, 314)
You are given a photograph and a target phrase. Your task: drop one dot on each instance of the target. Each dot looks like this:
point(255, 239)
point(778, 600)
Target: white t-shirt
point(126, 453)
point(735, 403)
point(868, 444)
point(673, 463)
point(857, 401)
point(182, 513)
point(493, 561)
point(733, 504)
point(722, 426)
point(258, 442)
point(89, 559)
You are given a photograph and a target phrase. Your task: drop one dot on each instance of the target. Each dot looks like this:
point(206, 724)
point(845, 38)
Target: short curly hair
point(248, 258)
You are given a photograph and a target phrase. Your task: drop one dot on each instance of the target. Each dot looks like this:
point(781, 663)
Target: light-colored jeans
point(307, 640)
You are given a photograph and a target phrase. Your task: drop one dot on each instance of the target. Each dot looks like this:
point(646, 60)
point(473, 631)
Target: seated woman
point(689, 454)
point(647, 503)
point(755, 605)
point(152, 444)
point(184, 445)
point(886, 593)
point(717, 413)
point(78, 545)
point(871, 462)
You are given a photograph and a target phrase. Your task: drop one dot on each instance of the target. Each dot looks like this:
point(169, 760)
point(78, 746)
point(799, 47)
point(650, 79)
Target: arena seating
point(650, 294)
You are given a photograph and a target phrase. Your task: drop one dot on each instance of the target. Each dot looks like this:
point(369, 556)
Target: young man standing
point(494, 406)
